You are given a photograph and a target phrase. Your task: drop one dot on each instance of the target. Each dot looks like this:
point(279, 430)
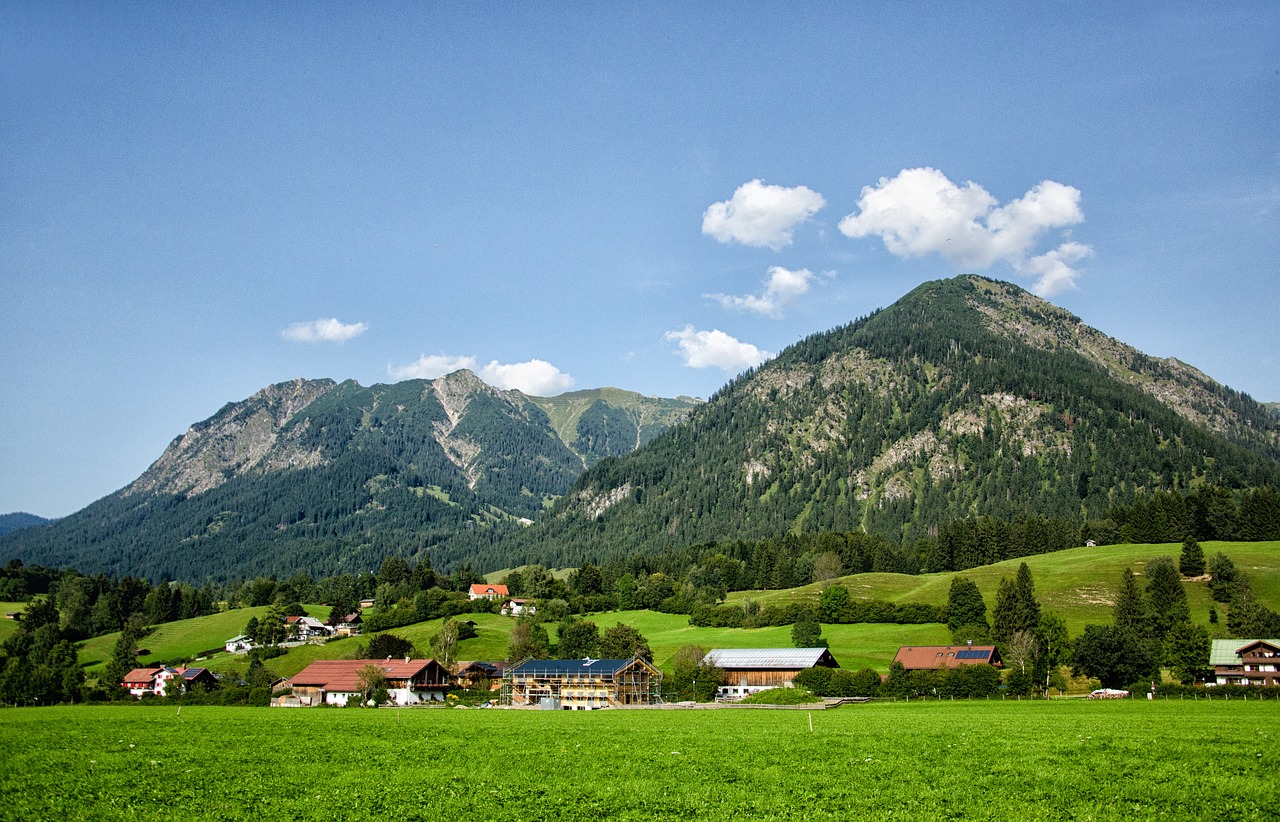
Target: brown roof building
point(1245, 661)
point(930, 657)
point(335, 681)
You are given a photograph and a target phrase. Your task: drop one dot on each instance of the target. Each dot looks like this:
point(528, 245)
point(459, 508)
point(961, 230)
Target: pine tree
point(1130, 611)
point(1191, 563)
point(965, 605)
point(1166, 598)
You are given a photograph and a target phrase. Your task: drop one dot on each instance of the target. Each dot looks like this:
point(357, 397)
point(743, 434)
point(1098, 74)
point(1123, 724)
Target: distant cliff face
point(339, 473)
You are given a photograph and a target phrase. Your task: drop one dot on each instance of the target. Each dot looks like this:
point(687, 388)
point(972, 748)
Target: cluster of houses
point(511, 606)
point(156, 680)
point(301, 629)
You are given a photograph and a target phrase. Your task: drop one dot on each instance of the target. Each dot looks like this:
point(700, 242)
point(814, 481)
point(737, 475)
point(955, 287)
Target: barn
point(748, 670)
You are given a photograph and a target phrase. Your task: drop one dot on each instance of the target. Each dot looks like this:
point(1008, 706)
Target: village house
point(930, 657)
point(483, 590)
point(749, 670)
point(337, 681)
point(155, 680)
point(305, 627)
point(238, 644)
point(480, 676)
point(581, 684)
point(348, 625)
point(1245, 661)
point(516, 607)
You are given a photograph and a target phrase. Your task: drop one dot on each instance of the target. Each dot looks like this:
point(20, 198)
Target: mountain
point(966, 397)
point(325, 477)
point(19, 520)
point(609, 422)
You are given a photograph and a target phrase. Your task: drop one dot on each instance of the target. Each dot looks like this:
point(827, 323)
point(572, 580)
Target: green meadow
point(1051, 760)
point(1078, 584)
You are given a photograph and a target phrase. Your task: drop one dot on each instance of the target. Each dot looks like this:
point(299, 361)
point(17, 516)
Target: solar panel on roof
point(972, 654)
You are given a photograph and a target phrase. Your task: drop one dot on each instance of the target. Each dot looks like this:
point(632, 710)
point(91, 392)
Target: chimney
point(970, 643)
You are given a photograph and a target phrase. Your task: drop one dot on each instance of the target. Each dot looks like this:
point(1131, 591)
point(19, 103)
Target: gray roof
point(570, 667)
point(785, 659)
point(1226, 651)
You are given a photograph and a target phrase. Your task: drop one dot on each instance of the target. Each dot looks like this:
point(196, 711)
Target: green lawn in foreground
point(1062, 759)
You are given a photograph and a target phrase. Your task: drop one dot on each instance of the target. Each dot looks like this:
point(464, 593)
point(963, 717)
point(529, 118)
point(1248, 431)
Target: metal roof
point(786, 659)
point(569, 667)
point(1227, 651)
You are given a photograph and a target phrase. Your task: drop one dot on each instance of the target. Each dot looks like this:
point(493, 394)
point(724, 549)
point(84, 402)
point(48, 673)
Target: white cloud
point(432, 367)
point(537, 377)
point(707, 349)
point(323, 330)
point(761, 215)
point(922, 212)
point(781, 286)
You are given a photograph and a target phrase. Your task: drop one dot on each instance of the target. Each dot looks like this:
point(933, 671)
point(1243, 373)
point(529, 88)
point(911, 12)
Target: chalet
point(348, 625)
point(141, 681)
point(305, 627)
point(516, 607)
point(480, 676)
point(156, 680)
point(336, 681)
point(581, 684)
point(749, 670)
point(483, 590)
point(1245, 662)
point(238, 644)
point(930, 657)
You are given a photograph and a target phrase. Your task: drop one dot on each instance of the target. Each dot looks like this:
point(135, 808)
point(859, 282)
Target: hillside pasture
point(1079, 584)
point(1035, 760)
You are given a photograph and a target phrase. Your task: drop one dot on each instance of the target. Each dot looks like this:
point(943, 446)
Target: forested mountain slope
point(325, 477)
point(967, 396)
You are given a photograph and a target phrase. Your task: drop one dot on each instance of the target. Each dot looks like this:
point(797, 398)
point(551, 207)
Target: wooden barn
point(748, 670)
point(581, 684)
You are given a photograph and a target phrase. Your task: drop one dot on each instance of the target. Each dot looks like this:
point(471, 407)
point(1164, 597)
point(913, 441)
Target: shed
point(748, 670)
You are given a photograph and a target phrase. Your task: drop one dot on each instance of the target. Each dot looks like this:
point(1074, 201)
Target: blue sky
point(199, 200)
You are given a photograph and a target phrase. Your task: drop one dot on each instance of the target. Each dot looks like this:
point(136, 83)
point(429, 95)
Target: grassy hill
point(1078, 585)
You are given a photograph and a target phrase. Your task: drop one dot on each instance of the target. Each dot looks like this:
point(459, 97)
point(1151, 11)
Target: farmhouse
point(305, 627)
point(516, 607)
point(581, 684)
point(349, 625)
point(483, 590)
point(478, 676)
point(748, 670)
point(238, 644)
point(335, 681)
point(1245, 661)
point(155, 680)
point(930, 657)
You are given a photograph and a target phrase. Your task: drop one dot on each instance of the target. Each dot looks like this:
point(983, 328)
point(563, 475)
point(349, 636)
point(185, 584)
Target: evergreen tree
point(1191, 563)
point(965, 605)
point(1186, 652)
point(1166, 598)
point(1130, 611)
point(1016, 606)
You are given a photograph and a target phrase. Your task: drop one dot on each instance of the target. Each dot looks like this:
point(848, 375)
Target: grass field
point(1063, 759)
point(1079, 584)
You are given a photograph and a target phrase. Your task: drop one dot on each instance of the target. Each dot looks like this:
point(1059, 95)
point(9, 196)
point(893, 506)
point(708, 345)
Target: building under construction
point(581, 684)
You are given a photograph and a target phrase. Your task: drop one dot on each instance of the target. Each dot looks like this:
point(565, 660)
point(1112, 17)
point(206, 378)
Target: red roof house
point(483, 590)
point(335, 681)
point(929, 657)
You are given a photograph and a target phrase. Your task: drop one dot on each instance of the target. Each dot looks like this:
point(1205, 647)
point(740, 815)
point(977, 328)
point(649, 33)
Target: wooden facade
point(749, 670)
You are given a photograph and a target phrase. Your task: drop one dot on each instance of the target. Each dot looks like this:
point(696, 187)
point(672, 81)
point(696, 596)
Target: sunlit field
point(1069, 759)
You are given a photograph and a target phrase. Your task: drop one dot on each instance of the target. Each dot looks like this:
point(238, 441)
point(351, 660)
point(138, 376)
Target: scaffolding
point(581, 684)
